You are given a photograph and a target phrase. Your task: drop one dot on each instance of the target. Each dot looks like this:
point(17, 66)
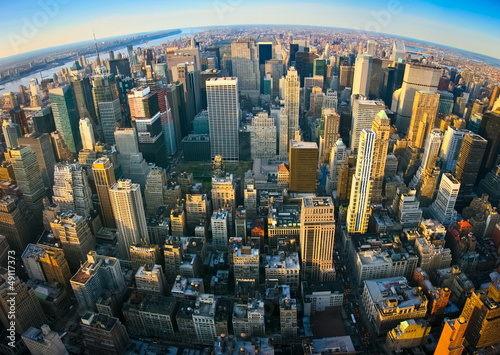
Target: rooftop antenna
point(98, 60)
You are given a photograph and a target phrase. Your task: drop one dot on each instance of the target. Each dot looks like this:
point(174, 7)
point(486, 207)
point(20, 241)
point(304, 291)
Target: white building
point(262, 136)
point(362, 75)
point(432, 256)
point(204, 318)
point(245, 60)
point(220, 230)
point(128, 209)
point(223, 117)
point(292, 101)
point(246, 264)
point(151, 280)
point(407, 207)
point(378, 263)
point(284, 268)
point(363, 113)
point(358, 212)
point(443, 208)
point(450, 149)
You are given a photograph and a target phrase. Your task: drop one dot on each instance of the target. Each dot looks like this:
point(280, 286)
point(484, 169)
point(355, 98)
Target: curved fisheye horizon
point(469, 26)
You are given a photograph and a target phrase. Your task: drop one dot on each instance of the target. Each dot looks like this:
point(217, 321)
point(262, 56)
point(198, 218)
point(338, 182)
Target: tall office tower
point(346, 76)
point(175, 95)
point(443, 208)
point(423, 117)
point(406, 207)
point(224, 193)
point(363, 113)
point(262, 136)
point(250, 201)
point(276, 68)
point(87, 134)
point(104, 178)
point(245, 60)
point(358, 212)
point(417, 77)
point(362, 74)
point(429, 158)
point(10, 100)
point(197, 211)
point(452, 337)
point(329, 133)
point(490, 130)
point(481, 312)
point(153, 193)
point(5, 250)
point(42, 147)
point(71, 189)
point(446, 102)
point(128, 210)
point(99, 273)
point(337, 157)
point(398, 51)
point(145, 113)
point(303, 164)
point(220, 228)
point(43, 341)
point(371, 48)
point(223, 117)
point(178, 224)
point(292, 101)
point(76, 238)
point(188, 76)
point(46, 264)
point(450, 149)
point(28, 178)
point(167, 122)
point(469, 162)
point(16, 223)
point(317, 233)
point(106, 99)
point(331, 100)
point(133, 164)
point(66, 116)
point(283, 135)
point(103, 334)
point(84, 100)
point(11, 133)
point(494, 97)
point(381, 127)
point(61, 150)
point(28, 311)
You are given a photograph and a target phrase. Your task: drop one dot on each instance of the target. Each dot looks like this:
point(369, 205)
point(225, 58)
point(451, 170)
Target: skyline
point(419, 20)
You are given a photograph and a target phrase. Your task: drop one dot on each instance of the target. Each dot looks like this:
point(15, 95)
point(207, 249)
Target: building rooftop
point(324, 286)
point(101, 321)
point(395, 292)
point(306, 145)
point(283, 261)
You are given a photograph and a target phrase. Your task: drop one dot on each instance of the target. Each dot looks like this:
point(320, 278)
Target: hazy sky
point(34, 24)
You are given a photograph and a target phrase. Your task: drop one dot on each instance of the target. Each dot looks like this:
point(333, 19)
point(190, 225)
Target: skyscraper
point(42, 147)
point(146, 119)
point(87, 134)
point(99, 273)
point(443, 208)
point(104, 178)
point(71, 189)
point(245, 58)
point(153, 193)
point(429, 158)
point(11, 133)
point(417, 77)
point(490, 130)
point(362, 74)
point(76, 238)
point(132, 162)
point(303, 164)
point(276, 69)
point(450, 149)
point(292, 101)
point(481, 312)
point(107, 104)
point(363, 113)
point(128, 210)
point(28, 311)
point(223, 117)
point(262, 136)
point(358, 212)
point(283, 135)
point(220, 227)
point(452, 337)
point(66, 116)
point(469, 162)
point(28, 178)
point(329, 133)
point(423, 117)
point(317, 233)
point(381, 127)
point(43, 341)
point(16, 223)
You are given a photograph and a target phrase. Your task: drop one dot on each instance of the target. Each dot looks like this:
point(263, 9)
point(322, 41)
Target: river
point(49, 73)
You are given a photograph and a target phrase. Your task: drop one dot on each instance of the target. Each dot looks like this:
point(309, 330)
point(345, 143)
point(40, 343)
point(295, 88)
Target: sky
point(36, 24)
